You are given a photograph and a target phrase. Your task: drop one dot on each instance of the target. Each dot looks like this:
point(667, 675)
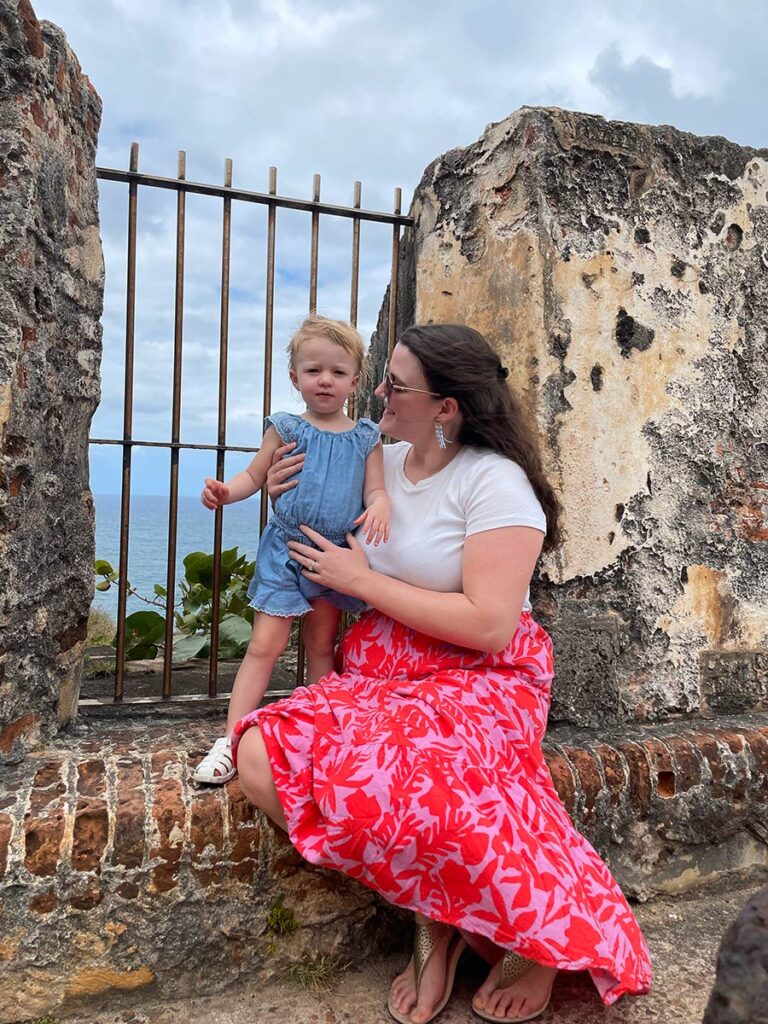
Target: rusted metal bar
point(125, 496)
point(170, 444)
point(269, 318)
point(264, 198)
point(314, 245)
point(355, 282)
point(226, 234)
point(173, 504)
point(395, 271)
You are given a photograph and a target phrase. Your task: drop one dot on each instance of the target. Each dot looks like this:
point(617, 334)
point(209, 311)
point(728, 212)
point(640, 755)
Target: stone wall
point(121, 881)
point(622, 272)
point(51, 288)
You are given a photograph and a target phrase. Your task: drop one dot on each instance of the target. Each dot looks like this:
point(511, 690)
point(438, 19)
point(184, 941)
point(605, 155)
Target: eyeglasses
point(390, 386)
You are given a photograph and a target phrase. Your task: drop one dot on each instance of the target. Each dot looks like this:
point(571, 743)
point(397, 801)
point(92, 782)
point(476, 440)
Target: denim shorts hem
point(282, 614)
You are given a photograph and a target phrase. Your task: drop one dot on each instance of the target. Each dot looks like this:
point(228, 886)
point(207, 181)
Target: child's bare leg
point(269, 639)
point(321, 628)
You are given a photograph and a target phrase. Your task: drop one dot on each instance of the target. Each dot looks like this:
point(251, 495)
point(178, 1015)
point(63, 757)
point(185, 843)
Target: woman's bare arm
point(497, 568)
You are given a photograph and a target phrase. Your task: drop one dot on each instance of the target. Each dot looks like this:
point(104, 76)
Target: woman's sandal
point(426, 940)
point(513, 966)
point(217, 760)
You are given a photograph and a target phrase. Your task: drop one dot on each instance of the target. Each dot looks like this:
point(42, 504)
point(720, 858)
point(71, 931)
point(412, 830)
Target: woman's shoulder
point(487, 462)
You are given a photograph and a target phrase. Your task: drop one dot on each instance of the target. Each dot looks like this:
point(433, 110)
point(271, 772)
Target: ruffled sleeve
point(285, 425)
point(370, 435)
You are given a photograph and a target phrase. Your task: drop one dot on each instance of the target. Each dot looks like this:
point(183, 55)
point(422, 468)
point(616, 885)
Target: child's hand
point(375, 521)
point(215, 493)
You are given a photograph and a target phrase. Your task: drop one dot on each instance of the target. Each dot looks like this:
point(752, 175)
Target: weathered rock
point(622, 272)
point(51, 294)
point(740, 993)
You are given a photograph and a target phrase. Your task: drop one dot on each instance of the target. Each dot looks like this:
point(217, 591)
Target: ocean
point(148, 539)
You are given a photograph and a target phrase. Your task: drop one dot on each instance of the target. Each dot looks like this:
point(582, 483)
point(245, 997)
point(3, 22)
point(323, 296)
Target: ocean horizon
point(148, 539)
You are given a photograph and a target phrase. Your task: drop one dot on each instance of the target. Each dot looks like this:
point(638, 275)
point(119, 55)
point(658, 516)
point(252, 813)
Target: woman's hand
point(280, 472)
point(341, 569)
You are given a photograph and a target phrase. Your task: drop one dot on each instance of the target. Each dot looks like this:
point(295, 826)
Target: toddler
point(341, 487)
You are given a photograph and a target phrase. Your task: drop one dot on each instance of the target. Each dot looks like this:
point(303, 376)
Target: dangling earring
point(440, 435)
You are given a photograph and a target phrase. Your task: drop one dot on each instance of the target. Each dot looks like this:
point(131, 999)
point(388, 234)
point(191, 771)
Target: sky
point(362, 90)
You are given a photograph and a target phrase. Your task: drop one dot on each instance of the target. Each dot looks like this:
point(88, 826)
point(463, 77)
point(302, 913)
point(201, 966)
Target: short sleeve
point(285, 425)
point(369, 433)
point(499, 494)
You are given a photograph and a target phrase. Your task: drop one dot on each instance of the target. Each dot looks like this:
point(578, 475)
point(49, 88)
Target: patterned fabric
point(419, 772)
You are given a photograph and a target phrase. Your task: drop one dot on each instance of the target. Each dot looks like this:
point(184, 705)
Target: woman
point(418, 769)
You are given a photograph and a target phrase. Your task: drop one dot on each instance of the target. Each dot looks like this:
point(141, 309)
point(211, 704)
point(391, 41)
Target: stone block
point(619, 269)
point(51, 283)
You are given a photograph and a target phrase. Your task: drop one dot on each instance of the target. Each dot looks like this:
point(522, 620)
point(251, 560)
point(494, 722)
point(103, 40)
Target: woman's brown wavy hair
point(459, 363)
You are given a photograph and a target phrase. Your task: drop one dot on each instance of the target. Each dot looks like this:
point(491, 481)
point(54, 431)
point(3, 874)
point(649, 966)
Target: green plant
point(193, 618)
point(280, 919)
point(319, 972)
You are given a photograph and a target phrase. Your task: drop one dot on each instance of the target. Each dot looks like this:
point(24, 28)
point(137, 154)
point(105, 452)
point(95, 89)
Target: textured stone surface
point(51, 287)
point(740, 994)
point(683, 972)
point(622, 272)
point(121, 881)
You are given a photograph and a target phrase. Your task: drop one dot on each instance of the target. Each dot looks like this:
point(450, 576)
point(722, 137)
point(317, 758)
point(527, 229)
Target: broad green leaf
point(190, 647)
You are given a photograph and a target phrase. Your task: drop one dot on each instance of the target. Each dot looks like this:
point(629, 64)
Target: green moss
point(280, 919)
point(319, 972)
point(46, 1019)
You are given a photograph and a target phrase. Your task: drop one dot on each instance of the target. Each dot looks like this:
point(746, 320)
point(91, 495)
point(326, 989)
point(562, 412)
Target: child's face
point(325, 374)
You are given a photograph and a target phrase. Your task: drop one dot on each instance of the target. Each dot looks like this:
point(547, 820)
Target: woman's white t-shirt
point(478, 490)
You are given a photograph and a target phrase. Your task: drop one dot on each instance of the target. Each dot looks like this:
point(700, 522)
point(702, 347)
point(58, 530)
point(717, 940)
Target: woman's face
point(408, 415)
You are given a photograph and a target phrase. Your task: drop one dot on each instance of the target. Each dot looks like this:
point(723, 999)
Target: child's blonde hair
point(338, 331)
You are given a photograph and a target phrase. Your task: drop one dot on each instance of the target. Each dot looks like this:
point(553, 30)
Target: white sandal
point(217, 767)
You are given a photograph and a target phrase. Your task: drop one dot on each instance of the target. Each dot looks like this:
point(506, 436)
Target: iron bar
point(265, 198)
point(173, 503)
point(314, 244)
point(181, 445)
point(269, 317)
point(125, 490)
point(395, 271)
point(226, 235)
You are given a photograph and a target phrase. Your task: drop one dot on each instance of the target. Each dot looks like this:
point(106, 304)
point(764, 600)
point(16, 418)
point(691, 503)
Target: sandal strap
point(513, 966)
point(425, 941)
point(219, 756)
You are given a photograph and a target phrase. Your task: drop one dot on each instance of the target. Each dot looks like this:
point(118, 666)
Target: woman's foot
point(402, 994)
point(524, 999)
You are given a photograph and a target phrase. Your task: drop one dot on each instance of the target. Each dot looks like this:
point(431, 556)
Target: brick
point(92, 778)
point(44, 903)
point(168, 813)
point(42, 837)
point(128, 849)
point(563, 781)
point(6, 827)
point(660, 759)
point(588, 777)
point(710, 752)
point(615, 772)
point(639, 777)
point(688, 772)
point(128, 890)
point(90, 834)
point(245, 828)
point(206, 828)
point(47, 788)
point(89, 898)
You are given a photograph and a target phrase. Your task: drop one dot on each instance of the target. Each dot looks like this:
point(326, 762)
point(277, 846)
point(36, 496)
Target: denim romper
point(328, 498)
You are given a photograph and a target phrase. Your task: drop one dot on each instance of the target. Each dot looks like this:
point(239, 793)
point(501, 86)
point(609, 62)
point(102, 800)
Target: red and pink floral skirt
point(418, 770)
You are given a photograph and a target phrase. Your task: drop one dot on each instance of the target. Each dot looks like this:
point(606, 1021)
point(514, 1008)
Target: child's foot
point(217, 767)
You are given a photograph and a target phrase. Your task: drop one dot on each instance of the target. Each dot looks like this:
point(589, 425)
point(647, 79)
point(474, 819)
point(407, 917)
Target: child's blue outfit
point(328, 498)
